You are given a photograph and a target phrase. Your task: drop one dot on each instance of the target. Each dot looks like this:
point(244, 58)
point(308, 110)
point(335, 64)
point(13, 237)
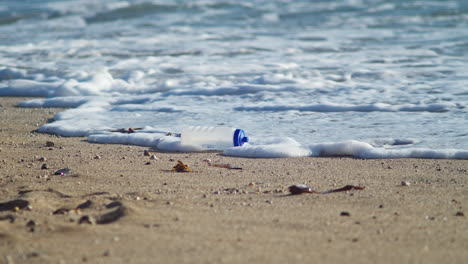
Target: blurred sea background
point(389, 73)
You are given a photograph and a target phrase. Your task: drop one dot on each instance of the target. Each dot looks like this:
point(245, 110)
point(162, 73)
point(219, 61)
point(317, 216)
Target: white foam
point(81, 128)
point(267, 151)
point(98, 83)
point(358, 149)
point(87, 119)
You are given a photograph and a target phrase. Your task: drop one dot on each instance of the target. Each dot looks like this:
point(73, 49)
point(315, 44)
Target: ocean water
point(360, 78)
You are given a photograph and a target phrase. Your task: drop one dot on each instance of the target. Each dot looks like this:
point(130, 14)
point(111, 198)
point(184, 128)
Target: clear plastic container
point(213, 138)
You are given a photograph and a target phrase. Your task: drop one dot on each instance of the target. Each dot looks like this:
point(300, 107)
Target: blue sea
point(359, 78)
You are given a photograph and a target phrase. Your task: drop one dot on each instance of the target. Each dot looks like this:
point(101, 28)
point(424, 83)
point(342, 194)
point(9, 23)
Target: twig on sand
point(302, 188)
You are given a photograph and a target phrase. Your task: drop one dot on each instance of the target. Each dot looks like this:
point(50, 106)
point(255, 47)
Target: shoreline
point(214, 214)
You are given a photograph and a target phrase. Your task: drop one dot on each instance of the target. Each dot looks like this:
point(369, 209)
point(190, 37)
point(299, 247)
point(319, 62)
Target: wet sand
point(117, 205)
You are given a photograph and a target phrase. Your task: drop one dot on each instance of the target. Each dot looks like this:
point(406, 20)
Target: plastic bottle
point(213, 138)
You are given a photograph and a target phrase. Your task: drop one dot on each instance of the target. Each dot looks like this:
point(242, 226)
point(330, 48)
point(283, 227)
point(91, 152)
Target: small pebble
point(32, 255)
point(345, 214)
point(405, 183)
point(44, 166)
point(146, 153)
point(42, 159)
point(50, 144)
point(97, 157)
point(153, 157)
point(299, 188)
point(63, 172)
point(459, 213)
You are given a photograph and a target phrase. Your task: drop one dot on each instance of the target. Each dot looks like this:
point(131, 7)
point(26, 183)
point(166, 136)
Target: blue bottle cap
point(240, 138)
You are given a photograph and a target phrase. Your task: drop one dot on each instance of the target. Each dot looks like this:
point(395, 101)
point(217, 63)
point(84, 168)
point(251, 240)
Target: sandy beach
point(118, 205)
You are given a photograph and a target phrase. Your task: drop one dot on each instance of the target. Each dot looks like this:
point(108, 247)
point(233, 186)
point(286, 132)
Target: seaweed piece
point(114, 204)
point(61, 211)
point(84, 205)
point(14, 205)
point(181, 167)
point(302, 188)
point(94, 194)
point(344, 189)
point(60, 194)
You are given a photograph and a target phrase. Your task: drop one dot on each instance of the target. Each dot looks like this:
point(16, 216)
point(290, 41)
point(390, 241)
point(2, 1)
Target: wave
point(131, 11)
point(331, 107)
point(235, 90)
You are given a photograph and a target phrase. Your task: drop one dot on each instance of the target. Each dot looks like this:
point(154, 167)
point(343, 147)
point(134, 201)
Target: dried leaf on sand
point(181, 167)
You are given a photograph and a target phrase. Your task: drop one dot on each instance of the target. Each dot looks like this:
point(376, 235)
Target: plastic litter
point(213, 138)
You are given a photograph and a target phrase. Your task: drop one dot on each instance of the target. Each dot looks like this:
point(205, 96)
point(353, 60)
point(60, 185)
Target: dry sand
point(217, 215)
